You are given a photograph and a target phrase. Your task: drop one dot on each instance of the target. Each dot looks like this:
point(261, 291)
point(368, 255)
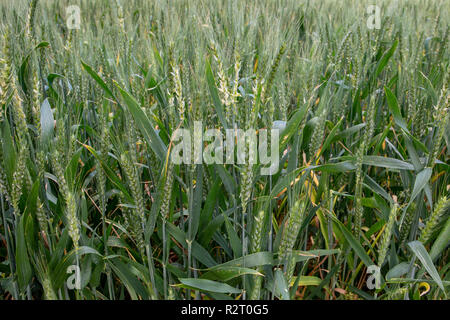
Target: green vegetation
point(86, 177)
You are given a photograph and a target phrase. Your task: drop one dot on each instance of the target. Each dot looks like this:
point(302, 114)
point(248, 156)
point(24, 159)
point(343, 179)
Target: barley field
point(353, 93)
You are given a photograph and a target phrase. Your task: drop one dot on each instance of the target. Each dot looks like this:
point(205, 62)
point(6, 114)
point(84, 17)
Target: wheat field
point(95, 207)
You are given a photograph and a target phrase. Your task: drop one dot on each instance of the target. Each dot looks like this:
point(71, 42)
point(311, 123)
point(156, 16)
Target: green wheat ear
point(19, 178)
point(179, 93)
point(273, 71)
point(290, 233)
point(387, 234)
point(3, 179)
point(317, 136)
point(4, 89)
point(167, 194)
point(407, 222)
point(439, 211)
point(81, 177)
point(31, 15)
point(256, 246)
point(138, 217)
point(246, 186)
point(72, 218)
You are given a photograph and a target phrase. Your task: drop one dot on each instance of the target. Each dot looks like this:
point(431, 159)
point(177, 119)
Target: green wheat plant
point(89, 179)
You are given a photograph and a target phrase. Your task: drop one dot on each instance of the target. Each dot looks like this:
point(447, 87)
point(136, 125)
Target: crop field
point(229, 149)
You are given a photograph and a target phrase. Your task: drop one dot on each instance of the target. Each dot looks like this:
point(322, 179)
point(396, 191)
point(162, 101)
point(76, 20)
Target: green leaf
point(208, 231)
point(395, 109)
point(98, 79)
point(194, 216)
point(156, 206)
point(234, 238)
point(441, 242)
point(385, 58)
point(421, 253)
point(200, 253)
point(280, 286)
point(359, 250)
point(9, 152)
point(144, 125)
point(207, 285)
point(389, 163)
point(24, 271)
point(71, 169)
point(24, 67)
point(208, 208)
point(226, 273)
point(430, 89)
point(227, 179)
point(284, 182)
point(110, 173)
point(30, 216)
point(337, 167)
point(134, 287)
point(409, 280)
point(331, 136)
point(398, 271)
point(299, 255)
point(60, 271)
point(155, 89)
point(375, 187)
point(292, 126)
point(422, 179)
point(383, 162)
point(47, 121)
point(251, 260)
point(215, 95)
point(307, 281)
point(348, 132)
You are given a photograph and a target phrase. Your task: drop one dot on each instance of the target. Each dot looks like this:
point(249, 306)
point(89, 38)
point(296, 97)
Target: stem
point(12, 265)
point(164, 257)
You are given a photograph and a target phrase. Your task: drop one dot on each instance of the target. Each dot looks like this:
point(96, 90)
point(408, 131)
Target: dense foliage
point(86, 177)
